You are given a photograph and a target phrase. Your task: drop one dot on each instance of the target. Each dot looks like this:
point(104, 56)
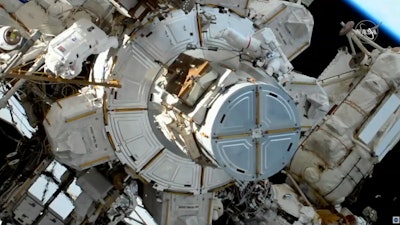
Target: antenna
point(358, 38)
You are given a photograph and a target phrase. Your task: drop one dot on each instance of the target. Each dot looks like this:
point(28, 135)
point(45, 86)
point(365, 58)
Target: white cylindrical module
point(239, 41)
point(10, 38)
point(252, 130)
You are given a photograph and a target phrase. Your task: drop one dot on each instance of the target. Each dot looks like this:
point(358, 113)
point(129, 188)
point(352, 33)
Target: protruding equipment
point(10, 38)
point(69, 50)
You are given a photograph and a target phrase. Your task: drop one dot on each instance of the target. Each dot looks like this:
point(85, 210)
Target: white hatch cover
point(253, 130)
